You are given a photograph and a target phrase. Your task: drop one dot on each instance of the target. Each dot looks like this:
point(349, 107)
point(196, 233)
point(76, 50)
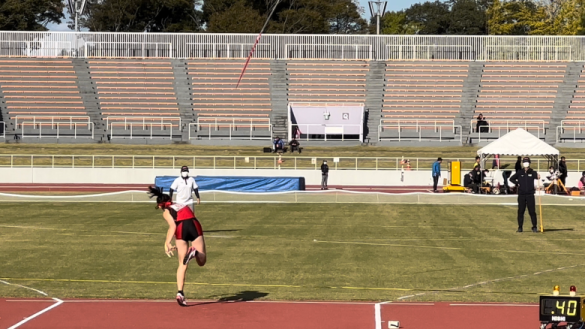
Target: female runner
point(185, 228)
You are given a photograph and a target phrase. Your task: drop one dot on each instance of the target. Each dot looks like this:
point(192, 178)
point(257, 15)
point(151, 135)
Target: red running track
point(104, 188)
point(97, 314)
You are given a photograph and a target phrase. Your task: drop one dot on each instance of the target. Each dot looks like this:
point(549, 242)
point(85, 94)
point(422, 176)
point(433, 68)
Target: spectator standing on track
point(563, 171)
point(185, 186)
point(524, 180)
point(324, 175)
point(436, 173)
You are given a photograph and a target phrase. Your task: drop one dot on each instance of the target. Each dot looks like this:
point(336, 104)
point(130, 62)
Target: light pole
point(76, 8)
point(377, 8)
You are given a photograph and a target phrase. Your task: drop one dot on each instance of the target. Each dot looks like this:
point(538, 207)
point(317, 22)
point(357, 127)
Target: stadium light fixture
point(377, 8)
point(76, 8)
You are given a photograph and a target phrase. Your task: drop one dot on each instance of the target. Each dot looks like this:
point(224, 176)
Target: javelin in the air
point(256, 43)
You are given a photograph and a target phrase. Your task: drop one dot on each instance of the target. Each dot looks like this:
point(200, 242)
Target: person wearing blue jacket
point(436, 173)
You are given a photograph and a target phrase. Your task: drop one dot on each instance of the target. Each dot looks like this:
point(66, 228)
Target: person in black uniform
point(563, 171)
point(524, 181)
point(324, 175)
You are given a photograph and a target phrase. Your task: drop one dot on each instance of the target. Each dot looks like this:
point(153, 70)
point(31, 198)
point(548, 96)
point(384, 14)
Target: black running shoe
point(519, 230)
point(535, 230)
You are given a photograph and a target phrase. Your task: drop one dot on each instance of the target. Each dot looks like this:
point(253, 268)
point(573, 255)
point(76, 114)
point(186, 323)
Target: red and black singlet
point(188, 227)
point(181, 212)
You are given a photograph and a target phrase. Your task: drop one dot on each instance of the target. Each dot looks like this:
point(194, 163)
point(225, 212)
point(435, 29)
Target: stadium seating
point(42, 98)
point(422, 100)
point(572, 127)
point(326, 81)
point(137, 97)
point(516, 95)
point(224, 111)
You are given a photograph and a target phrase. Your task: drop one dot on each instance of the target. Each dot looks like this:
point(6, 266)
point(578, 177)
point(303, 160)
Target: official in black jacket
point(563, 171)
point(524, 181)
point(324, 175)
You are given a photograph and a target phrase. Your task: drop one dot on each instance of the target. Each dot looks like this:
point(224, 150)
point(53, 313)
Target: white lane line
point(27, 319)
point(378, 316)
point(496, 305)
point(58, 302)
point(195, 301)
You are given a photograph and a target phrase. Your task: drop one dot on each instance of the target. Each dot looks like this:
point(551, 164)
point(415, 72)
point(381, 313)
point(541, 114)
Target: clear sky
point(391, 6)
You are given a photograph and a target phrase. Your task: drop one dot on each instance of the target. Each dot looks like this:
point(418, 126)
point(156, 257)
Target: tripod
point(557, 183)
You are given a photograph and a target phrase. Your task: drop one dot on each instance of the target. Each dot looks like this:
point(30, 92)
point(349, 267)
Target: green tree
point(290, 16)
point(236, 18)
point(431, 17)
point(394, 22)
point(467, 17)
point(142, 16)
point(29, 15)
point(518, 18)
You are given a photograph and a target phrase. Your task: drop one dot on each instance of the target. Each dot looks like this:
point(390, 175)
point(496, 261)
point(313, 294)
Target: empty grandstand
point(182, 87)
point(42, 98)
point(224, 111)
point(422, 101)
point(136, 98)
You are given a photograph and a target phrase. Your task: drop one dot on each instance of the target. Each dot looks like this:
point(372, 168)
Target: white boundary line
point(27, 319)
point(378, 311)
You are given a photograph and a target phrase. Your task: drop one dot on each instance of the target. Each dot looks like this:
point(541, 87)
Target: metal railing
point(128, 50)
point(145, 121)
point(129, 127)
point(61, 119)
point(10, 48)
point(230, 128)
point(438, 127)
point(528, 53)
point(250, 162)
point(228, 50)
point(285, 46)
point(501, 127)
point(431, 52)
point(329, 51)
point(577, 127)
point(55, 129)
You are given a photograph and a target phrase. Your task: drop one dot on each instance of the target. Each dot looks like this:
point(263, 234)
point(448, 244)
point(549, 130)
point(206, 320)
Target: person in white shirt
point(185, 186)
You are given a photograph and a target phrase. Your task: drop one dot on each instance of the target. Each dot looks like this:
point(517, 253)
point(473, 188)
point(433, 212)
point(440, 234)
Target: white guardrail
point(500, 127)
point(129, 130)
point(440, 130)
point(247, 162)
point(571, 131)
point(233, 130)
point(292, 46)
point(55, 129)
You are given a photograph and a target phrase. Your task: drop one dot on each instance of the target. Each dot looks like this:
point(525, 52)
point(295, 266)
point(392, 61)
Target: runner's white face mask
point(184, 174)
point(526, 164)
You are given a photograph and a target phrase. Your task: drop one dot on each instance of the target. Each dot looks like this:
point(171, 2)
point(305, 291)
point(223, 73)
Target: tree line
point(457, 17)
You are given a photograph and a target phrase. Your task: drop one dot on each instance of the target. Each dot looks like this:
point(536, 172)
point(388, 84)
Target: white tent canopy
point(519, 143)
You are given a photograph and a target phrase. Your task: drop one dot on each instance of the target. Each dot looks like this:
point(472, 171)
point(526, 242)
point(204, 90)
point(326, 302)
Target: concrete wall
point(146, 176)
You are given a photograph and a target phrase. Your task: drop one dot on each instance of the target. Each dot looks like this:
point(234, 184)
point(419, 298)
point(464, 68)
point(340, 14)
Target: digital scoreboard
point(562, 309)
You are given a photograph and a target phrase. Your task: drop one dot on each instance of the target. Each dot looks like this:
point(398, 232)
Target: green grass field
point(293, 252)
